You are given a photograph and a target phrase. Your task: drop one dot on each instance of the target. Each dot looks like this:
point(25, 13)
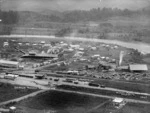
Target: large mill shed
point(138, 67)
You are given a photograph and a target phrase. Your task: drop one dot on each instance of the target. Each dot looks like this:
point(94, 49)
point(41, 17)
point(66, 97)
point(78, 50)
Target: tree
point(10, 17)
point(6, 30)
point(102, 35)
point(63, 32)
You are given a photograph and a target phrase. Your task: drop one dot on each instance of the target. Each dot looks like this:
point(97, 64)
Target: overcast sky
point(61, 5)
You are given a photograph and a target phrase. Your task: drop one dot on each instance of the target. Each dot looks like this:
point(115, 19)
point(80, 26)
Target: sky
point(63, 5)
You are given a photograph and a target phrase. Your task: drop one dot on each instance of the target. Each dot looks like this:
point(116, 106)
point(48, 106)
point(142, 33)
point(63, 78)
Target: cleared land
point(8, 91)
point(103, 92)
point(135, 108)
point(60, 102)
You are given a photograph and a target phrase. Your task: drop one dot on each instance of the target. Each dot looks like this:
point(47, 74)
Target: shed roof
point(39, 75)
point(123, 67)
point(8, 62)
point(138, 67)
point(118, 100)
point(91, 66)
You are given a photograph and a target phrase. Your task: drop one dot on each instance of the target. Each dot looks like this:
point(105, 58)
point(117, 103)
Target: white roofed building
point(5, 44)
point(42, 42)
point(118, 102)
point(9, 64)
point(138, 67)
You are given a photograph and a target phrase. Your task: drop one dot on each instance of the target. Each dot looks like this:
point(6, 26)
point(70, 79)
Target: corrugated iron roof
point(138, 67)
point(8, 62)
point(118, 100)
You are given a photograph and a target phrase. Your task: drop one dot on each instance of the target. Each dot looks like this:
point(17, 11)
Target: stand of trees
point(95, 14)
point(10, 17)
point(5, 30)
point(63, 32)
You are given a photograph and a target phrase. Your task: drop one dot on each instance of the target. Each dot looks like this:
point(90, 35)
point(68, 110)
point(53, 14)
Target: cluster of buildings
point(62, 49)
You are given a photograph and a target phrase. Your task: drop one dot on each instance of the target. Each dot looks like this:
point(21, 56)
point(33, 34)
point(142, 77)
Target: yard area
point(135, 108)
point(60, 102)
point(8, 91)
point(103, 92)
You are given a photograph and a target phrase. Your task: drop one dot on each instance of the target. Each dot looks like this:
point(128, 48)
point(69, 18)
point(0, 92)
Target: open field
point(130, 86)
point(59, 102)
point(135, 108)
point(8, 91)
point(103, 92)
point(128, 108)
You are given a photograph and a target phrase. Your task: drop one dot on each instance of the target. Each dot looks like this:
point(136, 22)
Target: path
point(104, 96)
point(23, 97)
point(95, 108)
point(44, 85)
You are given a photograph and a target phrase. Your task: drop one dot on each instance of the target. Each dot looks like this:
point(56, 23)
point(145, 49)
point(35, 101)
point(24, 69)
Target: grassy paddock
point(61, 102)
point(101, 92)
point(8, 91)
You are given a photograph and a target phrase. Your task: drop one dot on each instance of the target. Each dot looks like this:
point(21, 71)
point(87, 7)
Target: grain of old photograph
point(74, 56)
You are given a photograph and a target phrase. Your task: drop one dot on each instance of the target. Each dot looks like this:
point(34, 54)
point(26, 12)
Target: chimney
point(121, 57)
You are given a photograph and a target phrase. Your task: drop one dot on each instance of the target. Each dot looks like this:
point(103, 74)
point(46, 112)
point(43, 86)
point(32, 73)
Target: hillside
point(103, 23)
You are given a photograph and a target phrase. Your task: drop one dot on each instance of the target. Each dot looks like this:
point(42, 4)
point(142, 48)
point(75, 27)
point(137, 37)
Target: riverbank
point(142, 47)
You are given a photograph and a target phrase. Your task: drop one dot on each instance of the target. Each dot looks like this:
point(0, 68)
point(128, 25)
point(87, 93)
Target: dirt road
point(23, 97)
point(43, 84)
point(104, 96)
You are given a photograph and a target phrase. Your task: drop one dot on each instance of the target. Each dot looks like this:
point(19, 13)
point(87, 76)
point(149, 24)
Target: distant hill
point(65, 5)
point(79, 15)
point(26, 16)
point(23, 17)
